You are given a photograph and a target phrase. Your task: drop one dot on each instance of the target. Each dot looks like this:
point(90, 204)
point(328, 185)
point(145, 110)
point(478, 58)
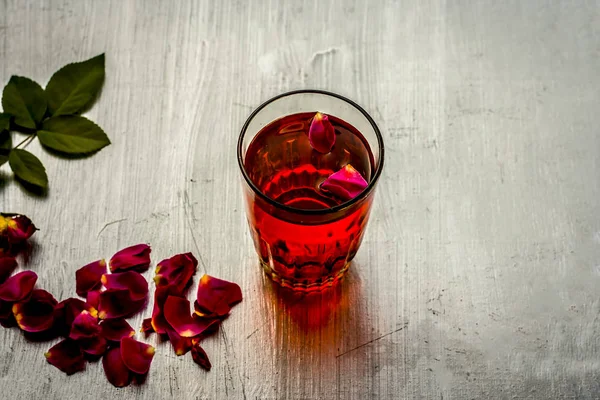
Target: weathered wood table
point(480, 273)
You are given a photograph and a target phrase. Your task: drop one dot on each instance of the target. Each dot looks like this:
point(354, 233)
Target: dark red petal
point(116, 329)
point(115, 369)
point(66, 356)
point(129, 280)
point(18, 286)
point(117, 303)
point(19, 228)
point(321, 133)
point(137, 356)
point(199, 355)
point(177, 314)
point(87, 332)
point(7, 265)
point(93, 298)
point(135, 257)
point(147, 326)
point(177, 271)
point(7, 319)
point(159, 323)
point(66, 311)
point(347, 183)
point(216, 297)
point(181, 345)
point(36, 314)
point(88, 277)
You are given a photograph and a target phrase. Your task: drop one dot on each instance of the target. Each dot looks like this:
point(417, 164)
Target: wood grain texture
point(480, 273)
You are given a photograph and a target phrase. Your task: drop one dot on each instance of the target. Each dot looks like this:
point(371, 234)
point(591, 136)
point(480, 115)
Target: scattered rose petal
point(177, 314)
point(216, 297)
point(116, 329)
point(93, 298)
point(115, 369)
point(132, 281)
point(347, 183)
point(147, 326)
point(137, 356)
point(87, 333)
point(199, 355)
point(67, 310)
point(36, 314)
point(18, 286)
point(117, 303)
point(177, 270)
point(88, 277)
point(321, 133)
point(7, 319)
point(7, 265)
point(159, 323)
point(135, 258)
point(66, 356)
point(181, 345)
point(17, 228)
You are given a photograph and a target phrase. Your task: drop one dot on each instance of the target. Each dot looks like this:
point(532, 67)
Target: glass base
point(303, 285)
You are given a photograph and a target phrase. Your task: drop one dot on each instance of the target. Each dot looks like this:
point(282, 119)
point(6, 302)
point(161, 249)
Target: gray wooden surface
point(480, 273)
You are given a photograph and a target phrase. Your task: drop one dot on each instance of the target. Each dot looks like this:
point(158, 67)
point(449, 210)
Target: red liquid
point(304, 251)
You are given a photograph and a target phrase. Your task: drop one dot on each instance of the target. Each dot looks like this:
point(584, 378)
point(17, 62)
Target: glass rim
point(323, 211)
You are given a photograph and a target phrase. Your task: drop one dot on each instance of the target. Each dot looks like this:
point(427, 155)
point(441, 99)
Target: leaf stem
point(28, 138)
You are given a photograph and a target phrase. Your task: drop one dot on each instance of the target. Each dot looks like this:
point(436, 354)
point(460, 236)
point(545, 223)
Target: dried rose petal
point(66, 356)
point(117, 303)
point(116, 329)
point(87, 333)
point(36, 314)
point(199, 355)
point(159, 323)
point(321, 134)
point(132, 281)
point(177, 314)
point(136, 258)
point(347, 183)
point(93, 298)
point(7, 265)
point(18, 286)
point(88, 277)
point(115, 369)
point(137, 356)
point(67, 310)
point(17, 228)
point(147, 326)
point(177, 270)
point(181, 345)
point(216, 297)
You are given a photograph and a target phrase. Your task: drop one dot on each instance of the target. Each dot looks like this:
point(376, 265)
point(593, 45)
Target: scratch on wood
point(227, 353)
point(188, 217)
point(108, 224)
point(372, 341)
point(248, 337)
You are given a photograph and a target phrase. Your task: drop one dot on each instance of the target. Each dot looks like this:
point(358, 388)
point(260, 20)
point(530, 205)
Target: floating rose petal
point(147, 326)
point(177, 270)
point(17, 228)
point(137, 356)
point(216, 297)
point(159, 323)
point(132, 281)
point(181, 345)
point(347, 183)
point(115, 369)
point(93, 298)
point(321, 133)
point(36, 314)
point(87, 333)
point(88, 277)
point(199, 355)
point(7, 265)
point(66, 356)
point(136, 258)
point(177, 314)
point(116, 329)
point(117, 303)
point(18, 286)
point(66, 311)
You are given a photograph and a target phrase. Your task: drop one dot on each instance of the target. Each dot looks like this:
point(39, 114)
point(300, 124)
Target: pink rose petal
point(347, 183)
point(321, 133)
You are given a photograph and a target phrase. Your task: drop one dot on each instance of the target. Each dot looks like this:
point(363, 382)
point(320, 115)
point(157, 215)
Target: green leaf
point(72, 134)
point(5, 122)
point(5, 145)
point(25, 100)
point(27, 167)
point(75, 86)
